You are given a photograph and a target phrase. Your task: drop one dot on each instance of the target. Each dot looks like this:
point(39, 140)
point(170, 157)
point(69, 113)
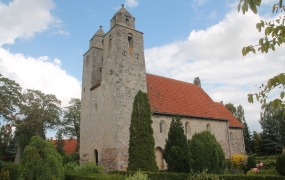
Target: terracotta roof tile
point(177, 97)
point(69, 145)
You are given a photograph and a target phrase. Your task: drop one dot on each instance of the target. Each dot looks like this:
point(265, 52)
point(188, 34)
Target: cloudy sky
point(42, 43)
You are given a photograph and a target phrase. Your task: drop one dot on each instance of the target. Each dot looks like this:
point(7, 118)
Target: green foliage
point(270, 123)
point(251, 163)
point(71, 120)
point(77, 175)
point(70, 166)
point(280, 164)
point(59, 143)
point(176, 153)
point(203, 176)
point(141, 144)
point(89, 167)
point(4, 175)
point(10, 98)
point(40, 160)
point(274, 35)
point(138, 176)
point(13, 170)
point(206, 153)
point(257, 143)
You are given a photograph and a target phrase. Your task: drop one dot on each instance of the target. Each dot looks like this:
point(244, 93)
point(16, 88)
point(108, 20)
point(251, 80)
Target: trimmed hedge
point(73, 175)
point(13, 170)
point(185, 176)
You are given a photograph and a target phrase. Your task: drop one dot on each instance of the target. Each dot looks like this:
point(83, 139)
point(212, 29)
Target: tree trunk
point(18, 155)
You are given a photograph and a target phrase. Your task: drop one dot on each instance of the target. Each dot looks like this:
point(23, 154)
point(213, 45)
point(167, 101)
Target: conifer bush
point(141, 144)
point(206, 153)
point(176, 152)
point(40, 160)
point(280, 164)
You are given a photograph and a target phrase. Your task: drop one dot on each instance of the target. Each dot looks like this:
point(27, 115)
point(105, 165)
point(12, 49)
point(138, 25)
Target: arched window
point(159, 158)
point(161, 126)
point(96, 156)
point(187, 128)
point(231, 136)
point(130, 40)
point(208, 127)
point(127, 21)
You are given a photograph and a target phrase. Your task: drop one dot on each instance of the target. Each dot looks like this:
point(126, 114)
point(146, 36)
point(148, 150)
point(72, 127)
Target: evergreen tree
point(270, 124)
point(257, 144)
point(176, 152)
point(206, 153)
point(59, 144)
point(141, 144)
point(40, 160)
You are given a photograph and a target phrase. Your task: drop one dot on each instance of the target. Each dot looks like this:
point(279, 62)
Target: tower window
point(110, 42)
point(187, 128)
point(127, 21)
point(208, 127)
point(130, 40)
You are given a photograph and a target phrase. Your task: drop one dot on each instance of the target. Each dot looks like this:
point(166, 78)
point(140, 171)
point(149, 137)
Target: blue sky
point(42, 43)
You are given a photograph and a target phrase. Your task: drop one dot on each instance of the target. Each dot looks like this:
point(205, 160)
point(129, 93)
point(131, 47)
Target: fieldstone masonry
point(113, 72)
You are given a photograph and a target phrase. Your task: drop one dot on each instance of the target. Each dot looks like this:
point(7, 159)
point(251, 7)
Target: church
point(113, 72)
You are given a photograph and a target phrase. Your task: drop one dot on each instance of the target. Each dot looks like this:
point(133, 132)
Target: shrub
point(13, 170)
point(89, 167)
point(40, 160)
point(280, 164)
point(4, 175)
point(70, 166)
point(203, 176)
point(206, 153)
point(238, 162)
point(138, 176)
point(251, 163)
point(176, 152)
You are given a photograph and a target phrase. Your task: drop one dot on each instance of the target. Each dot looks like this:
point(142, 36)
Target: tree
point(257, 143)
point(238, 112)
point(5, 138)
point(71, 120)
point(274, 35)
point(41, 161)
point(59, 143)
point(270, 124)
point(141, 143)
point(231, 108)
point(10, 99)
point(206, 153)
point(176, 152)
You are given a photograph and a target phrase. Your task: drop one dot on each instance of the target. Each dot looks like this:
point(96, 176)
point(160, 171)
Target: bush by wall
point(40, 160)
point(206, 153)
point(280, 164)
point(13, 170)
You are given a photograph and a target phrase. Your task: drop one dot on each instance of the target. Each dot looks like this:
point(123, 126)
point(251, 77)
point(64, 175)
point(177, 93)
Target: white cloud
point(131, 3)
point(214, 54)
point(57, 62)
point(36, 73)
point(24, 18)
point(63, 32)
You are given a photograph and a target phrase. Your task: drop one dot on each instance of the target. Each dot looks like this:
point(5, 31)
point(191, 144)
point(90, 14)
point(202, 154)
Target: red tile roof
point(171, 96)
point(69, 145)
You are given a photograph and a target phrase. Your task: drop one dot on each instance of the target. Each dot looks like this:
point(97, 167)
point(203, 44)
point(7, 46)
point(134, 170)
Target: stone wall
point(218, 128)
point(236, 140)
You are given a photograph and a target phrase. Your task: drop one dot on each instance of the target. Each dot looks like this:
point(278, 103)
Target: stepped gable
point(171, 96)
point(233, 121)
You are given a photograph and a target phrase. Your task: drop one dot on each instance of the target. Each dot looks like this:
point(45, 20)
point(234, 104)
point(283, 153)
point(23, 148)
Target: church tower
point(113, 72)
